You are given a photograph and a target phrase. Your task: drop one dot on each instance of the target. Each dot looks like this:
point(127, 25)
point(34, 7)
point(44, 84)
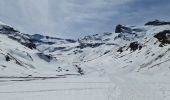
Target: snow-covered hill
point(131, 63)
point(20, 57)
point(142, 49)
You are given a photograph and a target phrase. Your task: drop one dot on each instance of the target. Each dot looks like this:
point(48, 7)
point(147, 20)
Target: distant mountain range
point(140, 49)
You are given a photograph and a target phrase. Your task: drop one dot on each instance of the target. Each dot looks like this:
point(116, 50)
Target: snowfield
point(57, 89)
point(85, 88)
point(132, 63)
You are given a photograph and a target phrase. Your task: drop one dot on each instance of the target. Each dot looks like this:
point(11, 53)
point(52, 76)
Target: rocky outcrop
point(134, 46)
point(163, 37)
point(22, 38)
point(122, 29)
point(45, 57)
point(157, 23)
point(92, 45)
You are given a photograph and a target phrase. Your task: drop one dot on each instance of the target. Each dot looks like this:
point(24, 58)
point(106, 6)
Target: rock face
point(163, 37)
point(122, 29)
point(157, 23)
point(40, 39)
point(47, 58)
point(22, 38)
point(92, 45)
point(7, 29)
point(134, 46)
point(129, 33)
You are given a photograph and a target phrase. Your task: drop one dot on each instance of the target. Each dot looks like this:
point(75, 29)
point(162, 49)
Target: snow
point(113, 87)
point(107, 74)
point(62, 89)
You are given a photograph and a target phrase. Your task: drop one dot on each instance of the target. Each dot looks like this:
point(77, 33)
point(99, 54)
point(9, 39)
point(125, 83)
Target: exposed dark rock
point(22, 38)
point(106, 52)
point(24, 41)
point(47, 58)
point(118, 29)
point(17, 61)
point(77, 51)
point(126, 33)
point(163, 37)
point(86, 38)
point(60, 48)
point(7, 58)
point(54, 38)
point(40, 41)
point(8, 29)
point(3, 66)
point(122, 29)
point(92, 45)
point(107, 34)
point(37, 36)
point(70, 40)
point(120, 49)
point(48, 37)
point(111, 44)
point(157, 23)
point(56, 49)
point(140, 47)
point(126, 36)
point(79, 70)
point(30, 45)
point(67, 70)
point(134, 46)
point(29, 75)
point(137, 30)
point(59, 69)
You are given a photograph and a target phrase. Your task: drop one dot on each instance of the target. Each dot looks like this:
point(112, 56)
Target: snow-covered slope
point(20, 58)
point(143, 49)
point(131, 63)
point(128, 49)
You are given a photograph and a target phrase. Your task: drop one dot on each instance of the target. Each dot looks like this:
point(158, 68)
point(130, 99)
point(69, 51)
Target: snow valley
point(132, 63)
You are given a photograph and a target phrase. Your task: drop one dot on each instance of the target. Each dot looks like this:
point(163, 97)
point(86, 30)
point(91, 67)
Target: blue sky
point(76, 18)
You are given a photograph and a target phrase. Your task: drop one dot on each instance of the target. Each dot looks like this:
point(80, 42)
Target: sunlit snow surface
point(85, 88)
point(108, 74)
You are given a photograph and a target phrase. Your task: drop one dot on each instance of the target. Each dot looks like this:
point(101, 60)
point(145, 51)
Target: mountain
point(20, 57)
point(130, 49)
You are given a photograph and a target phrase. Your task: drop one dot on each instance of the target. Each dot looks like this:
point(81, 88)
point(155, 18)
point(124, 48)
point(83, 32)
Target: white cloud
point(62, 17)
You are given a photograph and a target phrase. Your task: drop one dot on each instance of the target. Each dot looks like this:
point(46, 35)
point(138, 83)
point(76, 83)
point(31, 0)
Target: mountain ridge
point(143, 49)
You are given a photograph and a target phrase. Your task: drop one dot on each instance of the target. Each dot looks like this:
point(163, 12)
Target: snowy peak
point(122, 29)
point(129, 33)
point(157, 23)
point(128, 49)
point(22, 38)
point(20, 57)
point(97, 37)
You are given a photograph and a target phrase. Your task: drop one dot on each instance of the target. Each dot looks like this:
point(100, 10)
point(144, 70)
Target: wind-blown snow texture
point(129, 59)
